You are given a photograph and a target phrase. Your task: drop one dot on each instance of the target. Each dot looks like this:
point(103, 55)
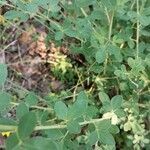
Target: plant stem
point(110, 26)
point(64, 126)
point(7, 128)
point(36, 107)
point(37, 128)
point(110, 21)
point(137, 29)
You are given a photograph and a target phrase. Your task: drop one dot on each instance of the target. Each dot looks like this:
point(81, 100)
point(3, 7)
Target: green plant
point(108, 106)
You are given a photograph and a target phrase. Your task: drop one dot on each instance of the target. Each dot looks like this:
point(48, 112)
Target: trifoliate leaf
point(79, 107)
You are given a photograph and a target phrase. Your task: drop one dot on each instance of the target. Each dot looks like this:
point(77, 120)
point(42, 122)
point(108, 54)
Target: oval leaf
point(116, 101)
point(26, 125)
point(21, 110)
point(3, 73)
point(61, 110)
point(100, 56)
point(73, 127)
point(5, 99)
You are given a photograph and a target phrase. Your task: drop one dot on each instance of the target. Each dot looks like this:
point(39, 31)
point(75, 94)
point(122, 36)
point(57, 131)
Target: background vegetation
point(74, 74)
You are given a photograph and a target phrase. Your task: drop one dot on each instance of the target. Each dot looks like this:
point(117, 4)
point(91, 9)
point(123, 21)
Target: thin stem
point(91, 23)
point(36, 107)
point(25, 90)
point(10, 44)
point(137, 30)
point(109, 38)
point(108, 18)
point(37, 128)
point(7, 128)
point(110, 26)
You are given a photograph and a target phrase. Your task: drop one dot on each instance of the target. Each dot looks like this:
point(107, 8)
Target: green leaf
point(120, 113)
point(32, 8)
point(7, 121)
point(145, 33)
point(104, 98)
point(73, 127)
point(121, 73)
point(12, 143)
point(110, 4)
point(131, 43)
point(84, 3)
point(39, 143)
point(106, 108)
point(55, 8)
point(106, 138)
point(100, 55)
point(3, 73)
point(147, 60)
point(105, 102)
point(144, 20)
point(53, 5)
point(14, 14)
point(54, 134)
point(82, 100)
point(79, 107)
point(59, 35)
point(5, 99)
point(114, 129)
point(136, 65)
point(116, 52)
point(31, 99)
point(92, 138)
point(103, 125)
point(61, 110)
point(132, 15)
point(116, 102)
point(21, 110)
point(91, 111)
point(26, 125)
point(69, 144)
point(71, 33)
